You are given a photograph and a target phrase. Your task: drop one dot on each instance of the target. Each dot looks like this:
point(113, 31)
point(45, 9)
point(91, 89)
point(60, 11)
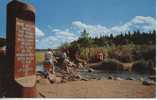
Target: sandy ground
point(96, 88)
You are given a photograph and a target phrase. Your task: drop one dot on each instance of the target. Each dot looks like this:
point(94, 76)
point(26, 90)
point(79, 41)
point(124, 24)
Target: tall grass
point(89, 53)
point(123, 53)
point(39, 57)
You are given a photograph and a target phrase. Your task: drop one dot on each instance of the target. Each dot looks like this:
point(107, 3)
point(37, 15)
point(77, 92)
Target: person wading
point(49, 63)
point(65, 61)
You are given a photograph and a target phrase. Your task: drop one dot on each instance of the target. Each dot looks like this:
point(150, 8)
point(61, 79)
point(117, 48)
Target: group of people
point(50, 60)
point(64, 62)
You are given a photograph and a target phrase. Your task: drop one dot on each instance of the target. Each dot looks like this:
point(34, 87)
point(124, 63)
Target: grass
point(39, 57)
point(123, 53)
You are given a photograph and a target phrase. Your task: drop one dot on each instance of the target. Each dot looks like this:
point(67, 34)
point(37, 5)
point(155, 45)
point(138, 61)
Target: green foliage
point(85, 35)
point(125, 47)
point(136, 38)
point(89, 54)
point(123, 53)
point(85, 40)
point(39, 57)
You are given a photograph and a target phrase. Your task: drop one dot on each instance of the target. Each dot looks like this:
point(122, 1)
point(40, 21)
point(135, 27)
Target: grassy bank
point(39, 57)
point(123, 53)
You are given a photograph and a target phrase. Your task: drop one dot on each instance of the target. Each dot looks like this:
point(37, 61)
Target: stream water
point(103, 75)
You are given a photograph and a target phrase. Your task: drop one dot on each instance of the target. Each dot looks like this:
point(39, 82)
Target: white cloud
point(47, 42)
point(39, 33)
point(64, 33)
point(60, 36)
point(144, 24)
point(55, 30)
point(95, 30)
point(56, 38)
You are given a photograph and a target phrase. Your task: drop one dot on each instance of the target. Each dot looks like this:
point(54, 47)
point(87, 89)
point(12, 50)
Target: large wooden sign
point(21, 47)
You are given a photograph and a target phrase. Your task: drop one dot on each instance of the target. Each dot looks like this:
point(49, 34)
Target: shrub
point(121, 53)
point(89, 54)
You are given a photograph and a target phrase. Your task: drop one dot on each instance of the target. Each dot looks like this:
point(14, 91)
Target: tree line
point(136, 37)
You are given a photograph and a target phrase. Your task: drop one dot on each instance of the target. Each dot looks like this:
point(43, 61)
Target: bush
point(89, 54)
point(121, 53)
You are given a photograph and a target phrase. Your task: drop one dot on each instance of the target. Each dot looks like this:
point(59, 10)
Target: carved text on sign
point(25, 47)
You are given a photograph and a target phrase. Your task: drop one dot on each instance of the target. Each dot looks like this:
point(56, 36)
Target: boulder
point(38, 78)
point(148, 83)
point(80, 65)
point(90, 70)
point(52, 78)
point(153, 77)
point(78, 76)
point(111, 77)
point(84, 79)
point(118, 78)
point(130, 78)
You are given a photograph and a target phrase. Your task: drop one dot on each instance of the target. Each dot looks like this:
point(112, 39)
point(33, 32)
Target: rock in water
point(130, 78)
point(148, 83)
point(152, 77)
point(141, 79)
point(78, 76)
point(111, 77)
point(118, 78)
point(84, 79)
point(90, 70)
point(52, 78)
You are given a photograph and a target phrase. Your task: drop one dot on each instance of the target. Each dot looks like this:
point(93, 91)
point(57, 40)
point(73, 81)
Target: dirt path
point(96, 88)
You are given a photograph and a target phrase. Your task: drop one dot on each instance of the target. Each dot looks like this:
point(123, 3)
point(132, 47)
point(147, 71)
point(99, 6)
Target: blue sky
point(59, 21)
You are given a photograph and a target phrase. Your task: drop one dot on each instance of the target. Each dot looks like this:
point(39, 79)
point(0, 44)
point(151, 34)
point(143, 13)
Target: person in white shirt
point(49, 62)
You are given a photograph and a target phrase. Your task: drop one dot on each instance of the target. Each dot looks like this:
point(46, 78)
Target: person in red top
point(99, 56)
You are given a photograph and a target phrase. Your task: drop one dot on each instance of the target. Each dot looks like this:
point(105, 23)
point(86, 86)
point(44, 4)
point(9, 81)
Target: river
point(103, 75)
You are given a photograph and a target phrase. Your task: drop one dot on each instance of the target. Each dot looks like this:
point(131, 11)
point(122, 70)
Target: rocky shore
point(74, 85)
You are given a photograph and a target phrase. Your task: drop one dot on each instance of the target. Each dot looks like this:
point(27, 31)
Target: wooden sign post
point(21, 49)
